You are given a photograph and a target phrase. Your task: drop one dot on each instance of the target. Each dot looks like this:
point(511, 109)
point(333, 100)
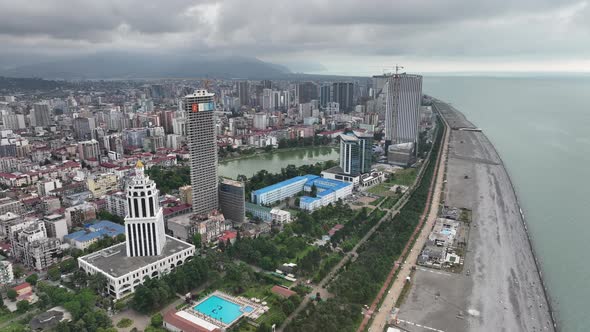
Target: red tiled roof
point(21, 286)
point(184, 325)
point(282, 291)
point(170, 210)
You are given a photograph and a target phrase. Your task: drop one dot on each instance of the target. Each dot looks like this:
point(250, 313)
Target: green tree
point(157, 320)
point(18, 271)
point(22, 306)
point(54, 273)
point(197, 240)
point(32, 279)
point(11, 294)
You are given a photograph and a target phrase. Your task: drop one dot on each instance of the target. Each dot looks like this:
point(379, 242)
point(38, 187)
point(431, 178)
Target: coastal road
point(381, 316)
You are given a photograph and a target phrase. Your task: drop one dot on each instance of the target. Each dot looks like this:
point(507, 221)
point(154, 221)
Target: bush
point(124, 323)
point(157, 320)
point(22, 306)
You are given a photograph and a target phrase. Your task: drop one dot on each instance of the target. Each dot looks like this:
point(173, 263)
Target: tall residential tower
point(402, 108)
point(200, 130)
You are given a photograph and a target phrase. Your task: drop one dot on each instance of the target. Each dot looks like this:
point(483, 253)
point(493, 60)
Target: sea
point(541, 129)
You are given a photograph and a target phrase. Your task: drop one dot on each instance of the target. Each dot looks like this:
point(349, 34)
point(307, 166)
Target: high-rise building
point(342, 93)
point(144, 223)
point(267, 99)
point(232, 199)
point(305, 92)
point(83, 128)
point(356, 153)
point(244, 93)
point(42, 114)
point(402, 108)
point(199, 108)
point(325, 95)
point(260, 120)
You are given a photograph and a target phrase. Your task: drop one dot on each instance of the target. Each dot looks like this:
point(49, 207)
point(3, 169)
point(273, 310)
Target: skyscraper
point(144, 223)
point(356, 153)
point(402, 108)
point(305, 92)
point(42, 114)
point(244, 93)
point(199, 108)
point(342, 93)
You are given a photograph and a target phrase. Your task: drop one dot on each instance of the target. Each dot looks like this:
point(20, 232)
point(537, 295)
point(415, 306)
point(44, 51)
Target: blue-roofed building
point(279, 191)
point(92, 232)
point(327, 191)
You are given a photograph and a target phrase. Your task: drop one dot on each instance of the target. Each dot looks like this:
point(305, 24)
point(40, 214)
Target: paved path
point(381, 315)
point(320, 287)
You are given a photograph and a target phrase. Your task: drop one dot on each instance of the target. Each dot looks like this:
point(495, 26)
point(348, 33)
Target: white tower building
point(144, 223)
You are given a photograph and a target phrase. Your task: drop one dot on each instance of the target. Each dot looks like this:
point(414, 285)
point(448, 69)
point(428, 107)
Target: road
point(380, 319)
point(320, 287)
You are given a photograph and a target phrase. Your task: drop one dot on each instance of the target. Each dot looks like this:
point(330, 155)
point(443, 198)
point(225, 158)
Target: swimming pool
point(219, 309)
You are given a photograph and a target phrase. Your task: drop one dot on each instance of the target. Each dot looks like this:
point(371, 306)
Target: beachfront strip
point(327, 191)
point(217, 311)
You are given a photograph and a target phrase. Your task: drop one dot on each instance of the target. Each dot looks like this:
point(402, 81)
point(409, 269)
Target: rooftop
point(115, 262)
point(284, 183)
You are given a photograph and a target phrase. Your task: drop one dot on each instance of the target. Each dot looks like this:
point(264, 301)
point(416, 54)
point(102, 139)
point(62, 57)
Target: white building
point(280, 216)
point(6, 275)
point(148, 251)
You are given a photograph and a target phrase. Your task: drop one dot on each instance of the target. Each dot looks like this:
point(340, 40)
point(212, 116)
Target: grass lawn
point(404, 177)
point(14, 327)
point(5, 315)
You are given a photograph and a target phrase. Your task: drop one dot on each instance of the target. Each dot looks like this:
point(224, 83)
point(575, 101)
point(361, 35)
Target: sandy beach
point(503, 291)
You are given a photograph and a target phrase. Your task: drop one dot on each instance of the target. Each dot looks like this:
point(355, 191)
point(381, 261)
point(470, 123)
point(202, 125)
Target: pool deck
point(257, 309)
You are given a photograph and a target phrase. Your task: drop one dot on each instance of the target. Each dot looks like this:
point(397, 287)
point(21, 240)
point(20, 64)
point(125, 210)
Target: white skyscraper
point(144, 223)
point(402, 108)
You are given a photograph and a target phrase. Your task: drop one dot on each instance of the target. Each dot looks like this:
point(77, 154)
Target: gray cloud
point(301, 31)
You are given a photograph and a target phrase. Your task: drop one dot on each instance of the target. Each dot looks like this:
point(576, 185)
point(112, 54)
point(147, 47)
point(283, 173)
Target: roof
point(182, 322)
point(96, 231)
point(281, 184)
point(327, 184)
point(282, 291)
point(21, 286)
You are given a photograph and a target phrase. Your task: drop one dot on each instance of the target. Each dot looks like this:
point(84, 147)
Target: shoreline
point(552, 312)
point(501, 286)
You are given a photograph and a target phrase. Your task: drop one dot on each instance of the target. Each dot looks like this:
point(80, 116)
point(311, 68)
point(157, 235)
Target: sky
point(349, 37)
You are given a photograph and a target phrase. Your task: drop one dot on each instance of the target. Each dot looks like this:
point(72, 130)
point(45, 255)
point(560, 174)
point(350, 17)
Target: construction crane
point(397, 69)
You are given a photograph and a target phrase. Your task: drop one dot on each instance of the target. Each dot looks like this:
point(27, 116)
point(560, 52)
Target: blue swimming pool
point(220, 309)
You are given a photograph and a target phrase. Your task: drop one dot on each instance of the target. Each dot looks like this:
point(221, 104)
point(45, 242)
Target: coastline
point(552, 312)
point(501, 287)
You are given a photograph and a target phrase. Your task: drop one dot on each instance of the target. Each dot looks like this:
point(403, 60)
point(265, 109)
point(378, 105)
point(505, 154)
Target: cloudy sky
point(325, 36)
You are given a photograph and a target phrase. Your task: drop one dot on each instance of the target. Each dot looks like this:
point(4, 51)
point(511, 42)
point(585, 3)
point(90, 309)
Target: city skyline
point(331, 38)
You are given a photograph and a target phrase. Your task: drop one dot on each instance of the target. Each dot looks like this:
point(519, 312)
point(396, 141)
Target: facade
point(403, 154)
point(279, 191)
point(45, 187)
point(6, 274)
point(56, 226)
point(306, 92)
point(100, 184)
point(144, 222)
point(8, 204)
point(147, 252)
point(280, 216)
point(260, 121)
point(42, 114)
point(231, 200)
point(89, 150)
point(402, 108)
point(342, 93)
point(32, 247)
point(210, 227)
point(356, 153)
point(202, 144)
point(79, 214)
point(186, 194)
point(244, 93)
point(117, 204)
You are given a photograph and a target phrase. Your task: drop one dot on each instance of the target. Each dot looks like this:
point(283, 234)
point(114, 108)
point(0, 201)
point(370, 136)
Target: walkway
point(380, 319)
